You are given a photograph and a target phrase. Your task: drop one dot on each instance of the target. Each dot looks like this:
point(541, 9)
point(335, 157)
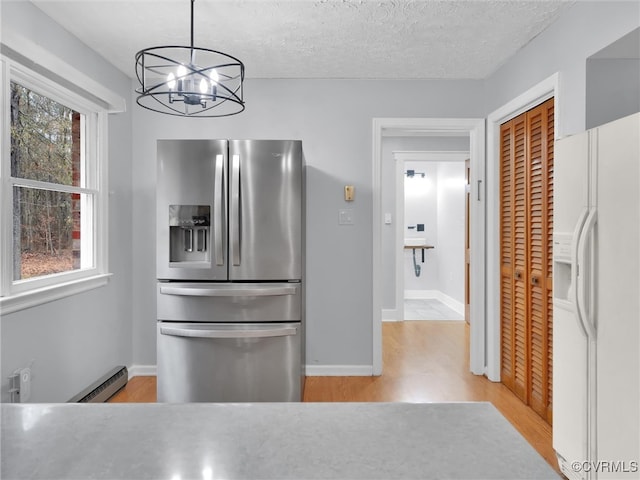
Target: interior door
point(265, 210)
point(467, 242)
point(526, 221)
point(540, 225)
point(514, 266)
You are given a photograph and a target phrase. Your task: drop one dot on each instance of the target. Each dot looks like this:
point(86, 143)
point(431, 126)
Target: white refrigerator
point(596, 302)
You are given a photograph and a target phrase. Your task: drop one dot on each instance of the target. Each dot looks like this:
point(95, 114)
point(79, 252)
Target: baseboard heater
point(103, 388)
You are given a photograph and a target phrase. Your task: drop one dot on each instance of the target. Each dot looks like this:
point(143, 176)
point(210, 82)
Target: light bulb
point(182, 71)
point(204, 86)
point(171, 81)
point(214, 77)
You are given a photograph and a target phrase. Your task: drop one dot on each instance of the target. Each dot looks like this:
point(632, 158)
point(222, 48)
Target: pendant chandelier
point(189, 81)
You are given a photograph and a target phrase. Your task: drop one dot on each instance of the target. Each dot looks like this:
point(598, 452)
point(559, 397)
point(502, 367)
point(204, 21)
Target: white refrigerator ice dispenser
point(230, 296)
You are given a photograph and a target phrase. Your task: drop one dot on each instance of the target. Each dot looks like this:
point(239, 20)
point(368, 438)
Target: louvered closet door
point(506, 256)
point(550, 135)
point(526, 206)
point(514, 263)
point(540, 160)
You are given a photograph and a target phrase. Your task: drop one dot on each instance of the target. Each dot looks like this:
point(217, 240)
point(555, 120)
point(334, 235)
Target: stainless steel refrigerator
point(230, 269)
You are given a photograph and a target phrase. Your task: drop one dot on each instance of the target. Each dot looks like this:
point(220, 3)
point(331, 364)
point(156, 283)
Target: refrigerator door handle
point(235, 210)
point(229, 292)
point(583, 283)
point(234, 333)
point(218, 209)
point(577, 234)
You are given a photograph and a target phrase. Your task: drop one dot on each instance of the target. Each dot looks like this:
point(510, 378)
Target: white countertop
point(264, 441)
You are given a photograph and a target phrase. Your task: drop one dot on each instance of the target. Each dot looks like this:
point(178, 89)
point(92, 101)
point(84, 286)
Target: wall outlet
point(25, 385)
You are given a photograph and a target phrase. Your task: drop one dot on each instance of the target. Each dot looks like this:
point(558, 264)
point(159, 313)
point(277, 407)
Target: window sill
point(24, 300)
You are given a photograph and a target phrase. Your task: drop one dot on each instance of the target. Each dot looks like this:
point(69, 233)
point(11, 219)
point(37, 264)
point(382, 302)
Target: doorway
point(538, 93)
point(430, 211)
point(475, 128)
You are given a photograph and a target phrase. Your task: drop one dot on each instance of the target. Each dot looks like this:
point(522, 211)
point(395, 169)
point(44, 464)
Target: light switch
point(345, 217)
point(349, 193)
point(387, 219)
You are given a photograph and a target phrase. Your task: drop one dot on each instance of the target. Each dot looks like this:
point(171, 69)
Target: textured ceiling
point(318, 39)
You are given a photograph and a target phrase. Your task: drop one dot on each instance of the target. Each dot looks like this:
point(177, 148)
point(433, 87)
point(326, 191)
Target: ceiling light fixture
point(189, 81)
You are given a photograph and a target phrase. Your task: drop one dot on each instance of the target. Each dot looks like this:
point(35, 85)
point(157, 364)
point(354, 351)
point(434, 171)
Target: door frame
point(537, 94)
point(412, 156)
point(475, 127)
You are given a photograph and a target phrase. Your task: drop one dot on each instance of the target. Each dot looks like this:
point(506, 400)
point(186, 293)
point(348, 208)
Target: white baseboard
point(450, 302)
point(311, 371)
point(142, 371)
point(390, 315)
point(339, 370)
point(421, 294)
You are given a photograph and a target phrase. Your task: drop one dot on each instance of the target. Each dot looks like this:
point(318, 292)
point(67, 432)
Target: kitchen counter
point(264, 441)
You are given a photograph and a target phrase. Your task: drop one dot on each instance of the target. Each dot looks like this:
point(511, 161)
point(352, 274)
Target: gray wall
point(613, 89)
point(334, 120)
point(74, 341)
point(564, 47)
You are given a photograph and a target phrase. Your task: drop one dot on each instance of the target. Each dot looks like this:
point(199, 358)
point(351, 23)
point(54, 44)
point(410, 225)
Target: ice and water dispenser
point(189, 233)
point(562, 266)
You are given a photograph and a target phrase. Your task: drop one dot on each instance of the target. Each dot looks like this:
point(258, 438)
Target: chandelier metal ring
point(189, 81)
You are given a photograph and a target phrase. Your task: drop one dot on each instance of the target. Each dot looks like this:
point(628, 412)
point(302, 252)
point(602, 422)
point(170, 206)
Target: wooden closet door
point(514, 242)
point(540, 161)
point(506, 256)
point(549, 272)
point(526, 211)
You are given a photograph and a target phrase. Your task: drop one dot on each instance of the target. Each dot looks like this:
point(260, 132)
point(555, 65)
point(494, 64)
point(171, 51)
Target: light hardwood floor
point(422, 362)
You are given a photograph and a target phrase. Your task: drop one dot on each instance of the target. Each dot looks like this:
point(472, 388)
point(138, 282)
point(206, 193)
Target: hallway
point(429, 309)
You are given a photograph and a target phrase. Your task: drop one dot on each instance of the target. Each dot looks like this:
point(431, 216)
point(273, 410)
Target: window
point(53, 190)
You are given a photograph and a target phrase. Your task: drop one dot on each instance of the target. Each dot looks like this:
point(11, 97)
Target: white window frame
point(20, 294)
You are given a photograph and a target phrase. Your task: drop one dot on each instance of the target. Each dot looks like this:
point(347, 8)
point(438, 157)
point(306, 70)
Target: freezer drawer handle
point(229, 292)
point(253, 333)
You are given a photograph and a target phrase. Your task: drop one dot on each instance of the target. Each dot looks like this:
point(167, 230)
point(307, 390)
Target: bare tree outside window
point(46, 154)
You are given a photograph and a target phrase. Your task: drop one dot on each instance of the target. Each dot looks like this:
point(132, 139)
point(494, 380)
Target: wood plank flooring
point(423, 361)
